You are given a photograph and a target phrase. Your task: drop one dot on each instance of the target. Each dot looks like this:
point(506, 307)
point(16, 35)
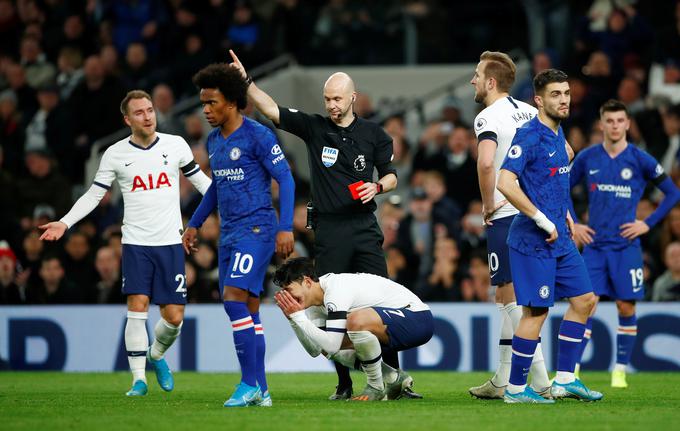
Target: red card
point(353, 189)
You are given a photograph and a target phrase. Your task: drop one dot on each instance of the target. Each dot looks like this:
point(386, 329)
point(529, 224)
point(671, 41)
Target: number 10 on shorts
point(243, 263)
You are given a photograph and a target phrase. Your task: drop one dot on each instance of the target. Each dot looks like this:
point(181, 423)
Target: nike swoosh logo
point(210, 155)
point(593, 171)
point(395, 312)
point(235, 276)
point(552, 154)
point(128, 164)
point(184, 295)
point(637, 290)
point(493, 275)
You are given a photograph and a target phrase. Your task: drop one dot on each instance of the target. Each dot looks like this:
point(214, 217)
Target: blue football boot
point(528, 396)
point(163, 373)
point(576, 390)
point(138, 389)
point(244, 396)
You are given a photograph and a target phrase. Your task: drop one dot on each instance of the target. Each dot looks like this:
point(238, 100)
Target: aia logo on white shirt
point(138, 183)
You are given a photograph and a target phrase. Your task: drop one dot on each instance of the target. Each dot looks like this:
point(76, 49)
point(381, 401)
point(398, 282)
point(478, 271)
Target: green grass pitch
point(73, 401)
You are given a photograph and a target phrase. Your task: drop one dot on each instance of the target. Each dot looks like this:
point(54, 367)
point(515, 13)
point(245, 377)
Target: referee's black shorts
point(349, 243)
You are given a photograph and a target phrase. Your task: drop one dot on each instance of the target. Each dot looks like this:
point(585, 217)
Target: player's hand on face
point(189, 240)
point(634, 229)
point(367, 191)
point(287, 303)
point(284, 244)
point(53, 231)
point(487, 213)
point(553, 237)
point(236, 64)
point(583, 234)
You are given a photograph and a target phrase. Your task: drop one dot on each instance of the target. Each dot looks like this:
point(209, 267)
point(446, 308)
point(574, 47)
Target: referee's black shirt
point(339, 156)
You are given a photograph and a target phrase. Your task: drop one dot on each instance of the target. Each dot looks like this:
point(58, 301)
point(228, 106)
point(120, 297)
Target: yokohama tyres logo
point(559, 170)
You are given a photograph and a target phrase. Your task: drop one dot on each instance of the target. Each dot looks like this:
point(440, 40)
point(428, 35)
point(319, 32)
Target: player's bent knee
point(363, 320)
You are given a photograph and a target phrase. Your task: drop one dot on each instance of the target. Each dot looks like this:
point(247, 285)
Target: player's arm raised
point(507, 184)
point(262, 101)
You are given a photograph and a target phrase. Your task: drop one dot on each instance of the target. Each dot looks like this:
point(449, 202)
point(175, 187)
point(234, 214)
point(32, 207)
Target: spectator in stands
point(137, 73)
point(135, 21)
point(39, 71)
point(109, 288)
point(245, 34)
point(194, 56)
point(664, 79)
point(402, 161)
point(524, 90)
point(51, 128)
point(194, 133)
point(291, 24)
point(443, 207)
point(53, 288)
point(32, 252)
point(630, 94)
point(11, 134)
point(10, 27)
point(75, 34)
point(108, 213)
point(10, 292)
point(363, 106)
point(164, 102)
point(44, 184)
point(8, 202)
point(110, 61)
point(70, 64)
point(443, 283)
point(97, 115)
point(670, 231)
point(475, 288)
point(473, 234)
point(77, 263)
point(667, 286)
point(460, 168)
point(25, 94)
point(417, 234)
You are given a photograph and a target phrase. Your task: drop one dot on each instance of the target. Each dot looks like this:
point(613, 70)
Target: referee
point(342, 150)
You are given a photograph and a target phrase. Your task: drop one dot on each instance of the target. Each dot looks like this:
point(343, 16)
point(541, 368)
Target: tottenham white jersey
point(149, 181)
point(349, 292)
point(499, 122)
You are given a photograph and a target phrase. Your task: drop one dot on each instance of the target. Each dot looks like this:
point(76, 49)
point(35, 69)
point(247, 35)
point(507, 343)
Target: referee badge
point(329, 156)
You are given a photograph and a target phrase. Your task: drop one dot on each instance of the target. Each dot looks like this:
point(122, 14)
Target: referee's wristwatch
point(379, 187)
point(249, 80)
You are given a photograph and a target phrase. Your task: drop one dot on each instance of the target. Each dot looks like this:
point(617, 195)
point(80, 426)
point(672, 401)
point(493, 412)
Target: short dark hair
point(226, 79)
point(294, 269)
point(134, 94)
point(548, 76)
point(613, 105)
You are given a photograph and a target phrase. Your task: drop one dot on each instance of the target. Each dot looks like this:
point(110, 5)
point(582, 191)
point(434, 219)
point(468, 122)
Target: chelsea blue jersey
point(242, 166)
point(615, 186)
point(539, 159)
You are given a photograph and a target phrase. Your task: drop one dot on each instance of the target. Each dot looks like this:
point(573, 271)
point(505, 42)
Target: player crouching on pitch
point(354, 317)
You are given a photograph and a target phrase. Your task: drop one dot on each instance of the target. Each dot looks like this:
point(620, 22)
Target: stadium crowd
point(65, 66)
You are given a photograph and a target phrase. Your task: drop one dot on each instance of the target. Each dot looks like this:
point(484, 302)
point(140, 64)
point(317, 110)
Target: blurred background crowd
point(66, 64)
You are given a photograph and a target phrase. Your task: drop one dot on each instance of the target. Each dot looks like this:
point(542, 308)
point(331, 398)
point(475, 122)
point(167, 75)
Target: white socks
point(502, 375)
point(368, 351)
point(389, 374)
point(348, 357)
point(136, 343)
point(564, 377)
point(511, 314)
point(165, 334)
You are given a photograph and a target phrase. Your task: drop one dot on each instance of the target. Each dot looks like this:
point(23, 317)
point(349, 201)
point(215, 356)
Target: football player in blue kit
point(616, 173)
point(244, 156)
point(545, 262)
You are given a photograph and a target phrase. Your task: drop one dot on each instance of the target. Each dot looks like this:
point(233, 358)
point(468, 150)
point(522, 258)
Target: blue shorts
point(244, 265)
point(539, 281)
point(499, 256)
point(617, 274)
point(155, 271)
point(406, 328)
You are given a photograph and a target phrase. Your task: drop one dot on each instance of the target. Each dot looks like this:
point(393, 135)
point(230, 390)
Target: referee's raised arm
point(262, 101)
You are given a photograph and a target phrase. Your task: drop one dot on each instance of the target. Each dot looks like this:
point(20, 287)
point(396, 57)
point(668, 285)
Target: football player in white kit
point(354, 317)
point(146, 166)
point(495, 127)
